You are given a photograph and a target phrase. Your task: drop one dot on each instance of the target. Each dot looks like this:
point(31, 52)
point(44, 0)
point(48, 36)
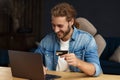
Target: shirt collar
point(74, 33)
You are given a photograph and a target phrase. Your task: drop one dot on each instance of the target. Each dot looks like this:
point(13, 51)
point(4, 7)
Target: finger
point(68, 57)
point(70, 63)
point(62, 56)
point(69, 60)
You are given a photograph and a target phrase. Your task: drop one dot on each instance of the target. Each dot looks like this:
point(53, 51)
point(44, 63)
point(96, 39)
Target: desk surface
point(5, 74)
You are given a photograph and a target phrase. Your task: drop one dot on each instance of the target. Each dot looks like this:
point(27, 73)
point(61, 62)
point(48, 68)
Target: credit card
point(61, 52)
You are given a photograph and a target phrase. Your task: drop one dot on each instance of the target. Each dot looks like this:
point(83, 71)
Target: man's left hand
point(71, 59)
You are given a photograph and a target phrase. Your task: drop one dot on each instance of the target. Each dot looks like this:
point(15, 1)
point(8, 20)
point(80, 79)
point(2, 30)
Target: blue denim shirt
point(82, 44)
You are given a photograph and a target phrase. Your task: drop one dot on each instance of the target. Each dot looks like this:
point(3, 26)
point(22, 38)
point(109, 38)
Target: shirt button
point(46, 54)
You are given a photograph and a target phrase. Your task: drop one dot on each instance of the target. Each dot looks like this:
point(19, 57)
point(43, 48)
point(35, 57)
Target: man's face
point(61, 27)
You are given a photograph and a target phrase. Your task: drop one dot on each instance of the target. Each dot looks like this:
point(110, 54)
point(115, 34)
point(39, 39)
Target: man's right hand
point(45, 70)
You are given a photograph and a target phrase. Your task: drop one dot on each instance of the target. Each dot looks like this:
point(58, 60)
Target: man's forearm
point(87, 68)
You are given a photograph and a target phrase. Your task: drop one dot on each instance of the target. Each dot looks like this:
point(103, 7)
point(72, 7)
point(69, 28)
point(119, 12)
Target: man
point(82, 49)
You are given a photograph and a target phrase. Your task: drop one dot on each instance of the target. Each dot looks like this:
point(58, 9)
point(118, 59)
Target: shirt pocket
point(49, 53)
point(80, 54)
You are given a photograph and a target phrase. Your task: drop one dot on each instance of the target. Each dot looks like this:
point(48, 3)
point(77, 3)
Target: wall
point(103, 14)
point(20, 22)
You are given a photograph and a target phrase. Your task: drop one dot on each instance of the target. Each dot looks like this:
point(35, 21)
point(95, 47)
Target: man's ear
point(71, 22)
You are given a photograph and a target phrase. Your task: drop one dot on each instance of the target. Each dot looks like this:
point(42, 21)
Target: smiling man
point(82, 53)
point(62, 28)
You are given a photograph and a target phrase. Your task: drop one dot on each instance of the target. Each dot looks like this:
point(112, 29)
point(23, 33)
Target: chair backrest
point(89, 27)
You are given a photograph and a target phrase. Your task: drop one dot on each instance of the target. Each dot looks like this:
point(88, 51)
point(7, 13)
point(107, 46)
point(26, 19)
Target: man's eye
point(60, 26)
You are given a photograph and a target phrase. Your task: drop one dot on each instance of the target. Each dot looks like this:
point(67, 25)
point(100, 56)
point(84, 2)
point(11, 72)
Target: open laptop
point(28, 65)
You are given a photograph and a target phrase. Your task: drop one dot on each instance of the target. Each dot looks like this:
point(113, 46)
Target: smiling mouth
point(59, 34)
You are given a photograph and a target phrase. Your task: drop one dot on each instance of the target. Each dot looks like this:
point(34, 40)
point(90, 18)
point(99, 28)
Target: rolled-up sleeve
point(98, 69)
point(92, 56)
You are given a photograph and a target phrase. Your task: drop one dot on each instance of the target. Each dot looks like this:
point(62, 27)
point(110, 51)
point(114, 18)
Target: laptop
point(28, 65)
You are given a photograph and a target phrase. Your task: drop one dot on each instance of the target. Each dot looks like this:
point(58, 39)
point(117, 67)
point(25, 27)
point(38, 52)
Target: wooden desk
point(81, 76)
point(5, 74)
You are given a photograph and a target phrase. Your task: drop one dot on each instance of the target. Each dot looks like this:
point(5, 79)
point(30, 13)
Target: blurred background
point(23, 22)
point(103, 14)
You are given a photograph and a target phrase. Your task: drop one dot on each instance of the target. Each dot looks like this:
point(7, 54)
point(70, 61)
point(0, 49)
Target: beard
point(62, 34)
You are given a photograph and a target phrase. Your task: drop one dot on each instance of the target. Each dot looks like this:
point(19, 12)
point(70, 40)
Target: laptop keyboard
point(51, 77)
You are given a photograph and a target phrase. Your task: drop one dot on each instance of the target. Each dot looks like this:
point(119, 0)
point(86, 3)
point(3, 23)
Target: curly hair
point(64, 10)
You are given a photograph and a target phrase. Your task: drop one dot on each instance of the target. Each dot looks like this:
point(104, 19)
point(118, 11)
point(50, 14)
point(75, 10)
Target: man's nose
point(56, 29)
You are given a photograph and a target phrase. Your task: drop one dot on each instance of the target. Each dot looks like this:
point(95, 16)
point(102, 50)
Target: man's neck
point(67, 37)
